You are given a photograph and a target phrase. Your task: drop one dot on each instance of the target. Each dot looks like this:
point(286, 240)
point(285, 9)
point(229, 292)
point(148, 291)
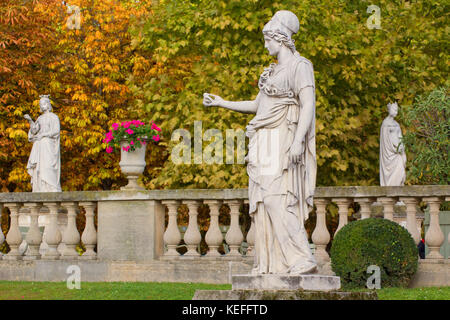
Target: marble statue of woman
point(392, 151)
point(44, 163)
point(281, 160)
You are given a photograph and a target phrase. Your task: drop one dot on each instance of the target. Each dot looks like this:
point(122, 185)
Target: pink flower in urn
point(126, 148)
point(131, 142)
point(109, 137)
point(126, 124)
point(156, 138)
point(115, 126)
point(109, 149)
point(129, 131)
point(155, 127)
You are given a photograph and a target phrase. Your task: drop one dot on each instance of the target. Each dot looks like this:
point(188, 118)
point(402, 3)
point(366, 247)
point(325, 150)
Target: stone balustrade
point(54, 237)
point(142, 225)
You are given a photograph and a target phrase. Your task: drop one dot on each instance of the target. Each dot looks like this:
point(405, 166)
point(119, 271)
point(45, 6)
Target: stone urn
point(132, 164)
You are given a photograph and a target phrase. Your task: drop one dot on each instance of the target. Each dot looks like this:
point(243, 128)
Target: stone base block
point(312, 282)
point(281, 295)
point(432, 273)
point(28, 258)
point(12, 258)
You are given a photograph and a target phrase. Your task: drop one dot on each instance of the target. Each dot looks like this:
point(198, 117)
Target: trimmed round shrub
point(374, 241)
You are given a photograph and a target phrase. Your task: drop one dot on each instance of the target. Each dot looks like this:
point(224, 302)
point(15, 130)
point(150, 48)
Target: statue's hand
point(27, 117)
point(295, 152)
point(211, 100)
point(399, 148)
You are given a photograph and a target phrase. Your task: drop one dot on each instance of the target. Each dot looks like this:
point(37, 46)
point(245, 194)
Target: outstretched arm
point(211, 100)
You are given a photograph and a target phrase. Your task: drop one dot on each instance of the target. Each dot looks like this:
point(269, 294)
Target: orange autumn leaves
point(83, 67)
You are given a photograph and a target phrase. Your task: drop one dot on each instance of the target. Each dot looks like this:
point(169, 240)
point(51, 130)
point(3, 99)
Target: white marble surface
point(44, 163)
point(313, 282)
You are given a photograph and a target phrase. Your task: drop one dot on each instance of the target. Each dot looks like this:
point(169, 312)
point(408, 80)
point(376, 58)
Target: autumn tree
point(217, 46)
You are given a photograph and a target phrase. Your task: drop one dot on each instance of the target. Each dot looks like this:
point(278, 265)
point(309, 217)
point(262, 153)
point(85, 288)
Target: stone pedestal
point(282, 295)
point(284, 287)
point(312, 282)
point(130, 230)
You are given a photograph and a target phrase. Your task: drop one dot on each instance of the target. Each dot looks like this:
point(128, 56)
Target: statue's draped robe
point(44, 163)
point(280, 193)
point(392, 162)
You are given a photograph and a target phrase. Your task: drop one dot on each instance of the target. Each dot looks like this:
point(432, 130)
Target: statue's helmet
point(45, 100)
point(390, 105)
point(284, 22)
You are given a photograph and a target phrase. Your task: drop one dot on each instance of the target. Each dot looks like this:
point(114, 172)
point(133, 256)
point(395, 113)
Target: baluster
point(411, 224)
point(44, 219)
point(364, 203)
point(71, 236)
point(448, 199)
point(388, 207)
point(213, 237)
point(2, 236)
point(34, 236)
point(172, 236)
point(321, 236)
point(342, 204)
point(234, 236)
point(250, 238)
point(434, 238)
point(192, 236)
point(89, 236)
point(14, 237)
point(53, 235)
point(24, 221)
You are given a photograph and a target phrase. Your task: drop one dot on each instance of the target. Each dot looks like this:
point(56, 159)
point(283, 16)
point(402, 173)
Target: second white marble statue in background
point(392, 151)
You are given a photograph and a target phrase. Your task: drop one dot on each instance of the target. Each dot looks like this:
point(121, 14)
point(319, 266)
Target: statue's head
point(279, 30)
point(393, 109)
point(44, 103)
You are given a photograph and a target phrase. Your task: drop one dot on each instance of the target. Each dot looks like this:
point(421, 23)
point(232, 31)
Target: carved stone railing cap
point(220, 194)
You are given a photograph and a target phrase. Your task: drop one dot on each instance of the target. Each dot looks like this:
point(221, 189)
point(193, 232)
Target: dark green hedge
point(374, 242)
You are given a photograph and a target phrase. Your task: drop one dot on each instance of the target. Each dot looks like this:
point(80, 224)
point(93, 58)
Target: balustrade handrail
point(222, 194)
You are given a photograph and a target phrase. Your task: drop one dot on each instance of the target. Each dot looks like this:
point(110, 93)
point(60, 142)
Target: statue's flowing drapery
point(392, 162)
point(44, 163)
point(280, 193)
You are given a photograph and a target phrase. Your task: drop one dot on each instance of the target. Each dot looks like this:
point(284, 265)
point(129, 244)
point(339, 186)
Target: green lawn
point(21, 290)
point(432, 293)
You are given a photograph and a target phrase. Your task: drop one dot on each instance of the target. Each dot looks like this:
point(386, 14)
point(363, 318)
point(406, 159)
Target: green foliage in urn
point(217, 46)
point(427, 141)
point(378, 242)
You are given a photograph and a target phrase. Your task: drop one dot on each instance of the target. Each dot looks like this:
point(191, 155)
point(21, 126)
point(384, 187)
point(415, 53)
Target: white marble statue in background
point(392, 151)
point(44, 163)
point(281, 160)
